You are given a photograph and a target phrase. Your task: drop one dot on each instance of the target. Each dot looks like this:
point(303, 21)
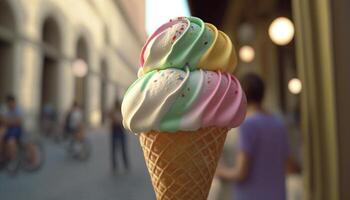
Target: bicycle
point(23, 159)
point(78, 149)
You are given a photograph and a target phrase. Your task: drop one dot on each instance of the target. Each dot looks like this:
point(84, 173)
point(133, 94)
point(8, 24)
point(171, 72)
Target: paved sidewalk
point(63, 178)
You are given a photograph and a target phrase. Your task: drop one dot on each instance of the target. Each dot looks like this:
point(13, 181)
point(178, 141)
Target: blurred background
point(55, 52)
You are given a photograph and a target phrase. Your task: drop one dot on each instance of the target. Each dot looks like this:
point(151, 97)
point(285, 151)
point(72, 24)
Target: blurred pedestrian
point(118, 138)
point(263, 153)
point(222, 189)
point(48, 119)
point(74, 124)
point(74, 131)
point(2, 135)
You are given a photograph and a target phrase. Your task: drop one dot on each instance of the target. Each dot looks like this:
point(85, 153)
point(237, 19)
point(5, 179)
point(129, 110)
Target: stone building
point(40, 40)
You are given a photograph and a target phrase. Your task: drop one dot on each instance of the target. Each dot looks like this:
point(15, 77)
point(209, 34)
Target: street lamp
point(79, 68)
point(246, 53)
point(281, 31)
point(295, 86)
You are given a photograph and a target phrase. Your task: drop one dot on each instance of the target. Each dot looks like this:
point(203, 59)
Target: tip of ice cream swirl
point(188, 42)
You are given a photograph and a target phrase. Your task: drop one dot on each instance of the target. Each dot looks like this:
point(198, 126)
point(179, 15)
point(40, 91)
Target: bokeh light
point(95, 117)
point(247, 53)
point(79, 68)
point(295, 86)
point(281, 31)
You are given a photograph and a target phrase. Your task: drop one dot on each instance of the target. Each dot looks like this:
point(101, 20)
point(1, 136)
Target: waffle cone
point(182, 164)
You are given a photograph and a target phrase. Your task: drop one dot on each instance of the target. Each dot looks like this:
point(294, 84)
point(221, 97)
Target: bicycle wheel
point(82, 151)
point(26, 161)
point(13, 165)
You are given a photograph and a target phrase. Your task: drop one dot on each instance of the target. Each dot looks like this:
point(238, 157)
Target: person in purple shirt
point(263, 154)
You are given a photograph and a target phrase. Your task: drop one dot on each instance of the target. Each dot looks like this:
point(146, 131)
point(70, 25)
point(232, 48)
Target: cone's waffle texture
point(182, 164)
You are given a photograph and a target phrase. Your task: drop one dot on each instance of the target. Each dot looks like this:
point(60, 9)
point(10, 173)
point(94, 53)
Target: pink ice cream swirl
point(221, 102)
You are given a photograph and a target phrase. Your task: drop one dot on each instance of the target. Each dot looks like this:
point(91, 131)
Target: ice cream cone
point(182, 164)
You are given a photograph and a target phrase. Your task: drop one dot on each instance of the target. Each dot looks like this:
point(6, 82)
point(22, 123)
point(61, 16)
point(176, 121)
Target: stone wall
point(109, 39)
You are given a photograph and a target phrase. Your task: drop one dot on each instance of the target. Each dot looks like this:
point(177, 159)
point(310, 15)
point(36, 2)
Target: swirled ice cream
point(185, 81)
point(173, 100)
point(188, 43)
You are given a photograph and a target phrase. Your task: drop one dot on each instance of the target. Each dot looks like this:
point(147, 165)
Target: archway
point(7, 30)
point(50, 64)
point(80, 81)
point(103, 89)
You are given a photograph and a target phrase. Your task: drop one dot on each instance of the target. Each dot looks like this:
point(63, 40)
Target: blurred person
point(222, 189)
point(12, 127)
point(2, 135)
point(12, 118)
point(48, 119)
point(263, 156)
point(74, 126)
point(118, 140)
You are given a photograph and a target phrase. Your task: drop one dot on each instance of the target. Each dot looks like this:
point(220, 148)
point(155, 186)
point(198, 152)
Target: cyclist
point(12, 119)
point(74, 126)
point(12, 127)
